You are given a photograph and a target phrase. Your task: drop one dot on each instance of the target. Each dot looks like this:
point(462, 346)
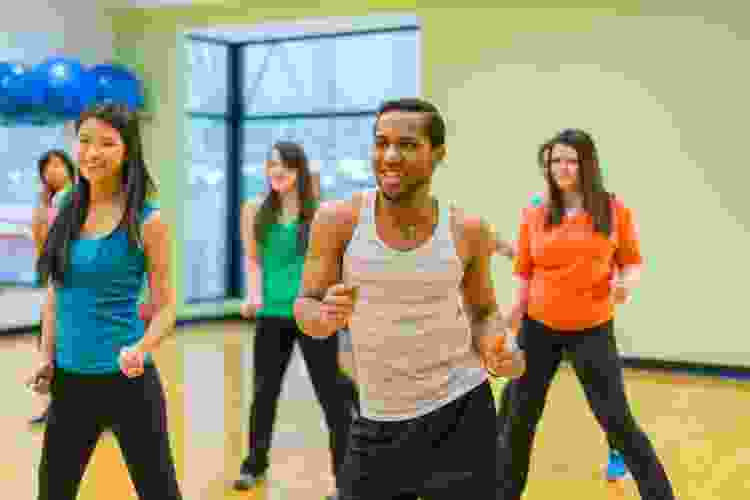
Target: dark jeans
point(82, 407)
point(273, 346)
point(598, 366)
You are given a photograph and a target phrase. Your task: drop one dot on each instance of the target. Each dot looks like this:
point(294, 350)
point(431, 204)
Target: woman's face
point(55, 174)
point(564, 165)
point(282, 179)
point(100, 151)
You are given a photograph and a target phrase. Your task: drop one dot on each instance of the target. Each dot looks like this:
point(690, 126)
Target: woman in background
point(56, 171)
point(615, 468)
point(275, 233)
point(578, 257)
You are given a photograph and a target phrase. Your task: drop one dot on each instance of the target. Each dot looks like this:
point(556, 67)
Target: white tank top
point(412, 351)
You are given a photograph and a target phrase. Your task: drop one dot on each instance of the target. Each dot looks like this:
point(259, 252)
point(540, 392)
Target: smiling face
point(403, 158)
point(100, 151)
point(281, 178)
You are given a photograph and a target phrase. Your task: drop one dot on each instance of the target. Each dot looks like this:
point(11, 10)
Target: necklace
point(409, 231)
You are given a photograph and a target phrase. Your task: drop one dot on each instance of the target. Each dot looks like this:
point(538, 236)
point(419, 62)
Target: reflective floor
point(698, 426)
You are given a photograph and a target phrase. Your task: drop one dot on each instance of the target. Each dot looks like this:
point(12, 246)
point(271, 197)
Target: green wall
point(664, 92)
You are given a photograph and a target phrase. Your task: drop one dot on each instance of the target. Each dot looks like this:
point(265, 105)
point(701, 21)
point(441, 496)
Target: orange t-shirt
point(569, 267)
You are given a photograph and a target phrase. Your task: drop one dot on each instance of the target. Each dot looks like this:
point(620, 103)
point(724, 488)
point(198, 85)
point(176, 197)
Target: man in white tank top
point(393, 264)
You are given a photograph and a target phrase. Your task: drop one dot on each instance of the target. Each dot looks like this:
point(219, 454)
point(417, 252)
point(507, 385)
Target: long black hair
point(596, 199)
point(44, 160)
point(293, 156)
point(136, 182)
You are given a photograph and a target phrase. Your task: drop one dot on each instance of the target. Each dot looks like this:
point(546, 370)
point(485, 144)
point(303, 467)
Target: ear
point(438, 155)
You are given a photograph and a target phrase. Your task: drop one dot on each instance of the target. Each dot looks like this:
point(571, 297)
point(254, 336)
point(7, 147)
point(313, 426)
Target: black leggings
point(273, 347)
point(83, 406)
point(507, 402)
point(598, 367)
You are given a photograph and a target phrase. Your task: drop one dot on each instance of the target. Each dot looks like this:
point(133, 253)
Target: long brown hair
point(596, 200)
point(293, 156)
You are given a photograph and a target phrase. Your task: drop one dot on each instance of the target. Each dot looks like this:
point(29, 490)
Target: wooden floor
point(698, 426)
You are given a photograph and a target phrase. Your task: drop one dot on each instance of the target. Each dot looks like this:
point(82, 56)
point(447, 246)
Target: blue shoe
point(616, 468)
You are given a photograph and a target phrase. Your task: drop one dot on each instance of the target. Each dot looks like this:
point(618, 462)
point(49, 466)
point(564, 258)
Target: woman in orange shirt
point(578, 255)
point(615, 468)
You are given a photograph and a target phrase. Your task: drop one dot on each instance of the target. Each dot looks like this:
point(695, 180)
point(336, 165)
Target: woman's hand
point(131, 361)
point(40, 380)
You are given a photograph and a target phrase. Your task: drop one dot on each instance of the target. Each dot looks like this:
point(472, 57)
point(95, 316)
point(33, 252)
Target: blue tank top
point(96, 310)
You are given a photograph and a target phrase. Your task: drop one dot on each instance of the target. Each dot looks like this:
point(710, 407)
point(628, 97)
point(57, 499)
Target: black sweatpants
point(273, 347)
point(598, 367)
point(83, 406)
point(446, 454)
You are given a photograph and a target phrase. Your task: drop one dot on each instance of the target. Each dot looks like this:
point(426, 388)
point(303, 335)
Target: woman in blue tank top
point(106, 237)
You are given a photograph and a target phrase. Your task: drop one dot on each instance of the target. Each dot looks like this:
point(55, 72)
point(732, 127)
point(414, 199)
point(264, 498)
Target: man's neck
point(410, 218)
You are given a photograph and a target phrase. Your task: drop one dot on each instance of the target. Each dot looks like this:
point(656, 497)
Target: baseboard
point(209, 319)
point(34, 329)
point(692, 368)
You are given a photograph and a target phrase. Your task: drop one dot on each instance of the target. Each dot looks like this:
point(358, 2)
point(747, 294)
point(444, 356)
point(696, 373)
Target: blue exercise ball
point(20, 91)
point(68, 87)
point(118, 85)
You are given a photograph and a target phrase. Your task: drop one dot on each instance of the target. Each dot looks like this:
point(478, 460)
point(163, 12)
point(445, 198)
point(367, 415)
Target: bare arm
point(253, 269)
point(331, 229)
point(157, 243)
point(490, 334)
point(48, 326)
point(522, 270)
point(40, 222)
point(501, 246)
point(478, 291)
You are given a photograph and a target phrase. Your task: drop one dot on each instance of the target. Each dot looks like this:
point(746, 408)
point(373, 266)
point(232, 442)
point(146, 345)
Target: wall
point(31, 34)
point(661, 91)
point(41, 29)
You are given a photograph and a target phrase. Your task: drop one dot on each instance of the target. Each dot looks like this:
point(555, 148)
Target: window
point(316, 89)
point(205, 261)
point(20, 148)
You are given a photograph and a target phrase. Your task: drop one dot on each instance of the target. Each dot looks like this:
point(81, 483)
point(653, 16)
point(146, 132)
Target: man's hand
point(337, 306)
point(500, 356)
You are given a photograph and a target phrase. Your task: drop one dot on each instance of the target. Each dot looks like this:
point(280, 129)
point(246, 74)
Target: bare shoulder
point(154, 225)
point(339, 215)
point(250, 206)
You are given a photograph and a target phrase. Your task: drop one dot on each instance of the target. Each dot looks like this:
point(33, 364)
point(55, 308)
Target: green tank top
point(282, 270)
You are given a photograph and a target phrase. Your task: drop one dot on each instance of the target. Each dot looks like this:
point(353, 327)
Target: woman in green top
point(275, 235)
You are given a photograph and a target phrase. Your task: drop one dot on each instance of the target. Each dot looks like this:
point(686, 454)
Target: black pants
point(83, 406)
point(273, 347)
point(506, 408)
point(45, 413)
point(598, 367)
point(508, 402)
point(446, 454)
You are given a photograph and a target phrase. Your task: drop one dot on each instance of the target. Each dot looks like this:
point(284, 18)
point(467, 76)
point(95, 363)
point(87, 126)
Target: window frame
point(235, 117)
